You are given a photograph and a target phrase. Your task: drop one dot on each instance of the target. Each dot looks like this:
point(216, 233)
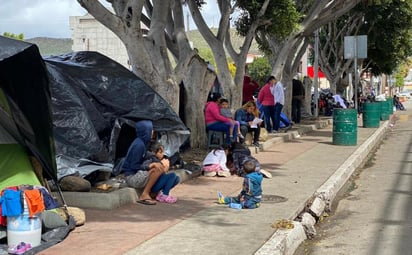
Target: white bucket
point(23, 228)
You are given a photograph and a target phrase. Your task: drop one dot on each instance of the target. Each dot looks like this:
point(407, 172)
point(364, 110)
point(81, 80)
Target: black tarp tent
point(95, 104)
point(25, 115)
point(25, 106)
point(82, 105)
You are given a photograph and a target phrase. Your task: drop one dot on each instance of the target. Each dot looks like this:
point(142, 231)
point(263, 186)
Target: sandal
point(166, 199)
point(146, 202)
point(20, 248)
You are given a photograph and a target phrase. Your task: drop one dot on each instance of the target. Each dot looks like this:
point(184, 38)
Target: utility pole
point(355, 48)
point(315, 75)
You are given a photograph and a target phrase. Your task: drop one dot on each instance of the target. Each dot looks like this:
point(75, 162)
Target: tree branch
point(103, 15)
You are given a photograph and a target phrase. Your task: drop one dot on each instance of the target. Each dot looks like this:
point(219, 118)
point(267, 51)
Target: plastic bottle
point(235, 206)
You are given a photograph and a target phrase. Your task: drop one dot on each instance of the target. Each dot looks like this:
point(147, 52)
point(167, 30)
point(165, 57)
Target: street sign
point(356, 46)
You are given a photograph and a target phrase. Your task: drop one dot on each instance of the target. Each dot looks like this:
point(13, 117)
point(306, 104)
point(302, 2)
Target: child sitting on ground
point(215, 162)
point(167, 180)
point(251, 193)
point(227, 112)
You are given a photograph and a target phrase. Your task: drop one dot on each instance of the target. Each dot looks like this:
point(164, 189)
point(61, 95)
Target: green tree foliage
point(14, 36)
point(280, 19)
point(260, 70)
point(402, 72)
point(388, 26)
point(399, 79)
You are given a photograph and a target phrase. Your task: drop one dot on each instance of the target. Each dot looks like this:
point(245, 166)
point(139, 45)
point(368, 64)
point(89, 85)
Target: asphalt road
point(374, 216)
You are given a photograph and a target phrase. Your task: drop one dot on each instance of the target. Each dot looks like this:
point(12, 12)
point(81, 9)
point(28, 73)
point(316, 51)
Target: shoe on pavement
point(223, 173)
point(220, 198)
point(209, 173)
point(166, 198)
point(256, 144)
point(146, 202)
point(265, 173)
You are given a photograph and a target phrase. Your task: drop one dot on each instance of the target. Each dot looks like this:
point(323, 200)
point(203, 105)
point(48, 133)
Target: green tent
point(25, 115)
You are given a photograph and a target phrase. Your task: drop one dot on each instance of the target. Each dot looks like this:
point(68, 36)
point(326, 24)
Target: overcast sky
point(50, 18)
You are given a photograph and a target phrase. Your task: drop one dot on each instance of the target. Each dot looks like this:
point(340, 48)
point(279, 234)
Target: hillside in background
point(199, 42)
point(52, 46)
point(56, 46)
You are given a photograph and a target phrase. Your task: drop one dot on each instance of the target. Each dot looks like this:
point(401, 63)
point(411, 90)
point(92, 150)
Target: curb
point(125, 195)
point(113, 199)
point(289, 136)
point(285, 242)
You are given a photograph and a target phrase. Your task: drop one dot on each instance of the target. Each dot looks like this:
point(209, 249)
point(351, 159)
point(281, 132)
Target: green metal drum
point(389, 101)
point(371, 115)
point(384, 110)
point(345, 126)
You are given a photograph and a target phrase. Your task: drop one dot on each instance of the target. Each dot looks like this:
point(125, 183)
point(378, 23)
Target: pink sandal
point(166, 199)
point(19, 249)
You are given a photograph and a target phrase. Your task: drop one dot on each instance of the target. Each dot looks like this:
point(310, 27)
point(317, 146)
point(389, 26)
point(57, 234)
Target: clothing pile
point(36, 198)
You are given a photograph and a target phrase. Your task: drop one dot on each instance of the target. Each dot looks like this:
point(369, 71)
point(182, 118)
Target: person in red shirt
point(249, 88)
point(265, 97)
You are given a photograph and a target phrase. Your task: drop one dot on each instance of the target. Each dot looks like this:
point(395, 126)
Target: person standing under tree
point(249, 89)
point(298, 94)
point(279, 101)
point(265, 97)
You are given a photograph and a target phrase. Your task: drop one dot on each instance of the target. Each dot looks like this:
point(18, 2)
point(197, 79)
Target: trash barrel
point(371, 115)
point(389, 100)
point(23, 228)
point(345, 126)
point(384, 110)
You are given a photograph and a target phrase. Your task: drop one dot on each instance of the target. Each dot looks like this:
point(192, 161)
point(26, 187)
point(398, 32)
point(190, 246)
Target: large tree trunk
point(283, 58)
point(168, 88)
point(148, 54)
point(307, 102)
point(196, 89)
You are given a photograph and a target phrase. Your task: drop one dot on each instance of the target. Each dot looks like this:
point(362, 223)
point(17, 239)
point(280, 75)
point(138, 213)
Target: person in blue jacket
point(251, 193)
point(245, 116)
point(136, 176)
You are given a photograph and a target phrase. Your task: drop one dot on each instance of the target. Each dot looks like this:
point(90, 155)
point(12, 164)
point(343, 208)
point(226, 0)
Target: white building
point(90, 35)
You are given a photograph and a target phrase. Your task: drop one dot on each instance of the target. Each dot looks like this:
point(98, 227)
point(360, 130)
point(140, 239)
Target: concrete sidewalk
point(306, 168)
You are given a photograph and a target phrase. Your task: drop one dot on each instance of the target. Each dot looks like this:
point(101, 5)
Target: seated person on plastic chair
point(251, 193)
point(215, 121)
